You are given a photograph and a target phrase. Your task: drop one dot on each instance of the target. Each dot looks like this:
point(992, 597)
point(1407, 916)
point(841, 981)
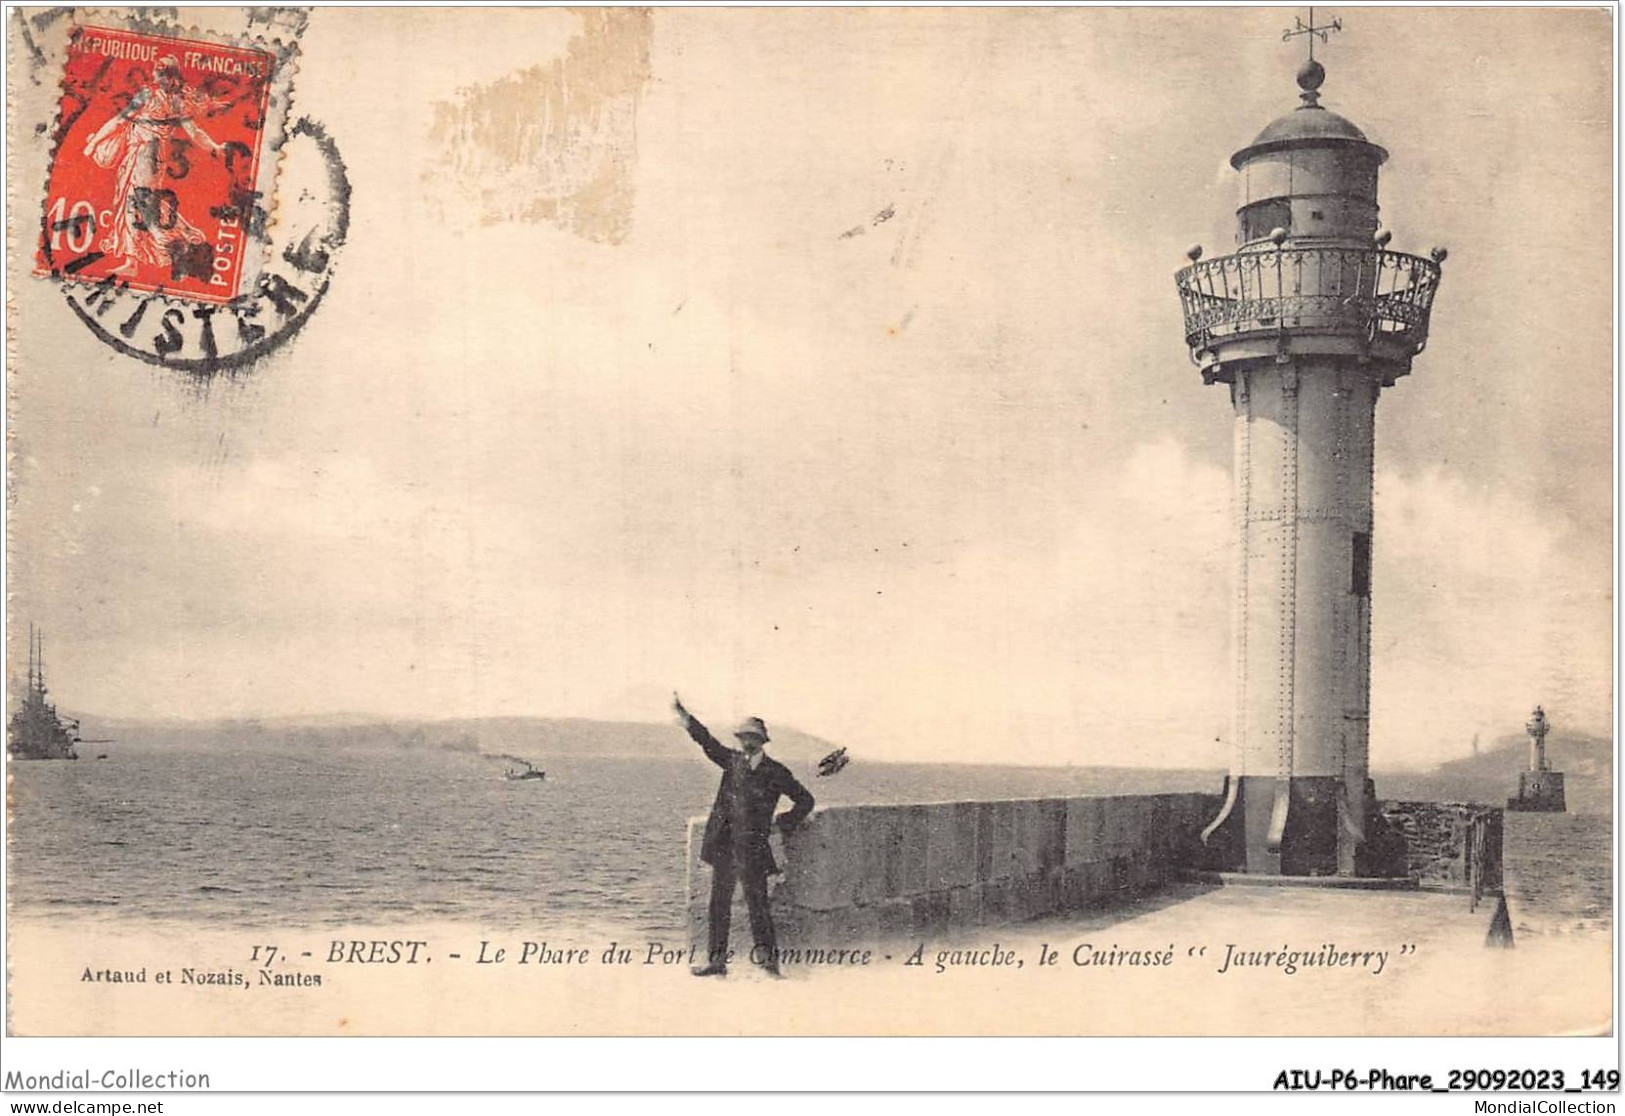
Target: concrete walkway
point(1191, 960)
point(1405, 963)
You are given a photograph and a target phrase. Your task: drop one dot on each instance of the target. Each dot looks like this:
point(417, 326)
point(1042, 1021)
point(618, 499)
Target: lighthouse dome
point(1307, 126)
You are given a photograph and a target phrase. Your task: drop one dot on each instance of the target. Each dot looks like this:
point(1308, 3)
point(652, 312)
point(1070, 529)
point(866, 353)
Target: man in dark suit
point(735, 844)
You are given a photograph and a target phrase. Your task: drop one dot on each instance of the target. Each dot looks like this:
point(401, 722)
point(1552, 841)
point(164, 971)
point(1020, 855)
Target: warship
point(37, 733)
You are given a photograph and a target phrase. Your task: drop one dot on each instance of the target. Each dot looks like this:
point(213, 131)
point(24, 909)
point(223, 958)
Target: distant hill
point(529, 737)
point(1491, 776)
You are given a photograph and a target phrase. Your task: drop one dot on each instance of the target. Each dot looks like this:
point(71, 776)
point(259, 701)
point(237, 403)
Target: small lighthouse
point(1305, 323)
point(1540, 789)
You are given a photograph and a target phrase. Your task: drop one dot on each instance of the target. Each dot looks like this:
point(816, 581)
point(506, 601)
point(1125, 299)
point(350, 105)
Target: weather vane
point(1300, 28)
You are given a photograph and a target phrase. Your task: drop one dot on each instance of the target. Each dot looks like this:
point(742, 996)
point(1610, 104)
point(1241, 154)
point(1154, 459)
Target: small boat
point(526, 770)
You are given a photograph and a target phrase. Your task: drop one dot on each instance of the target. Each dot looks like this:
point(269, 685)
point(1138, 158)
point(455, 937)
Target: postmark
point(204, 338)
point(189, 224)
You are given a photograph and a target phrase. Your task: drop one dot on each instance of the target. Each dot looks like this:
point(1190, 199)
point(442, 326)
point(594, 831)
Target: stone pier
point(857, 875)
point(866, 873)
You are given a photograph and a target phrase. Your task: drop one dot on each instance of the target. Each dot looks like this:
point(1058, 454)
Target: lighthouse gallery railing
point(1368, 292)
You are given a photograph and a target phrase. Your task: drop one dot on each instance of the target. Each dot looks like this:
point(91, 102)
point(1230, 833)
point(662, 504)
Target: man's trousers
point(724, 875)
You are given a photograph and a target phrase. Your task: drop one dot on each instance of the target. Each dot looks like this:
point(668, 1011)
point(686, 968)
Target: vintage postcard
point(849, 522)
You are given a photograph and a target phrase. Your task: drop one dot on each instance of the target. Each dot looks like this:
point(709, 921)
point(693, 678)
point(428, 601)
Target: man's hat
point(752, 726)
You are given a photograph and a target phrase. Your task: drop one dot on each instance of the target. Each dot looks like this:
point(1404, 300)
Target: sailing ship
point(37, 732)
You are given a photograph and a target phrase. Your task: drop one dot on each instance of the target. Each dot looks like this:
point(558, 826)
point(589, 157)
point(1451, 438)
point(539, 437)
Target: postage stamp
point(189, 219)
point(161, 167)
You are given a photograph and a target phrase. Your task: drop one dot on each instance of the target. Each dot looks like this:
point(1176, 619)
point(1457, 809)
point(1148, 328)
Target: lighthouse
point(1305, 324)
point(1540, 788)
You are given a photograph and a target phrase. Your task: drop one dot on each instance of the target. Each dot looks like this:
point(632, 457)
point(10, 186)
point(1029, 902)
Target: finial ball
point(1439, 255)
point(1194, 252)
point(1278, 234)
point(1382, 238)
point(1310, 76)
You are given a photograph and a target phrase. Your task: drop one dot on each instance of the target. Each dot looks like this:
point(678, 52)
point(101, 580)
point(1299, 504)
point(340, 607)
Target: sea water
point(293, 835)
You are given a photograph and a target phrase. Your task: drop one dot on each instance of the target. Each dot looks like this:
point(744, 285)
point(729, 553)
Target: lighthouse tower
point(1540, 788)
point(1305, 324)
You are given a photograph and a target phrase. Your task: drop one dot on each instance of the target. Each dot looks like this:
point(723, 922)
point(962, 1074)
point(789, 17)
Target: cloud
point(1103, 645)
point(1483, 605)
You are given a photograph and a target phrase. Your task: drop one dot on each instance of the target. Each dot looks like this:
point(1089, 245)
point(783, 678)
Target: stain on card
point(555, 142)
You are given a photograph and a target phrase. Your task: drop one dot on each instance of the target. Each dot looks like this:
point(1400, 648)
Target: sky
point(948, 488)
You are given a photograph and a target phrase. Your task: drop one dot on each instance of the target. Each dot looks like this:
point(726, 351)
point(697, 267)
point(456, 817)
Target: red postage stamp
point(160, 170)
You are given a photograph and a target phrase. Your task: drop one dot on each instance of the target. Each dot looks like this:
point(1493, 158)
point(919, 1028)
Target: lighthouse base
point(1539, 792)
point(1301, 826)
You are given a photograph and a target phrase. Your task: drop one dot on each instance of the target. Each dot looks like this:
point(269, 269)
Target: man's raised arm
point(714, 752)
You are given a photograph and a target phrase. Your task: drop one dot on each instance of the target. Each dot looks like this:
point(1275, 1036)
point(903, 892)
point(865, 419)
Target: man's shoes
point(715, 968)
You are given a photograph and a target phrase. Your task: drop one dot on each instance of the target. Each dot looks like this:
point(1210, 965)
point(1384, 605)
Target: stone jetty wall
point(1451, 845)
point(856, 874)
